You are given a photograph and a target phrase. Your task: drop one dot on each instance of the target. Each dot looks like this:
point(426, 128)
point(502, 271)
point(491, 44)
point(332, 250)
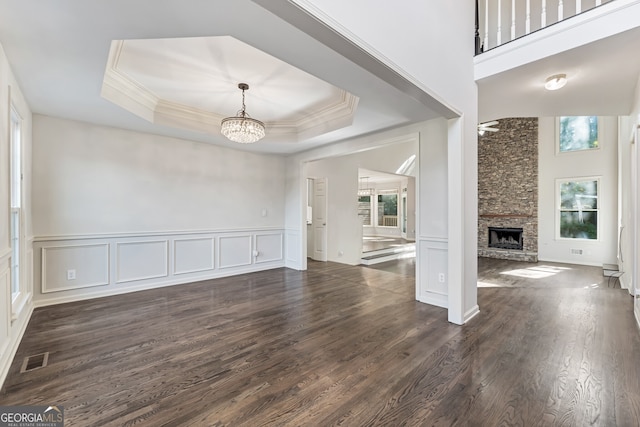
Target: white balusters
point(513, 19)
point(560, 10)
point(486, 25)
point(524, 13)
point(527, 20)
point(499, 33)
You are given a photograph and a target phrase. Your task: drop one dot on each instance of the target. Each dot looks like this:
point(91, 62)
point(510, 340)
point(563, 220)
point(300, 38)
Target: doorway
point(385, 203)
point(317, 218)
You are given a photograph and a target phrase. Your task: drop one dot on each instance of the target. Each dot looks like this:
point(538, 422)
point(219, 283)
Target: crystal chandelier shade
point(242, 128)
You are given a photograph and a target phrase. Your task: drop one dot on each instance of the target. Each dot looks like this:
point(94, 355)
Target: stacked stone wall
point(508, 186)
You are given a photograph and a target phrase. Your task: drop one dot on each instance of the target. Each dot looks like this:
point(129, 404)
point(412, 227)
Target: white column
point(527, 21)
point(598, 2)
point(462, 178)
point(543, 14)
point(578, 6)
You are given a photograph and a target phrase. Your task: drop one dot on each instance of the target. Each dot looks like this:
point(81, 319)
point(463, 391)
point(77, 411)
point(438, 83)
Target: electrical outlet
point(71, 275)
point(441, 277)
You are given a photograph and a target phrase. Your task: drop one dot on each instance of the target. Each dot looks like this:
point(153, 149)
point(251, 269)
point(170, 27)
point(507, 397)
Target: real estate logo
point(31, 416)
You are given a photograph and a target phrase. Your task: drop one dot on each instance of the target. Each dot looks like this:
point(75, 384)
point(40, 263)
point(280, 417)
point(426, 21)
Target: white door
point(635, 223)
point(320, 219)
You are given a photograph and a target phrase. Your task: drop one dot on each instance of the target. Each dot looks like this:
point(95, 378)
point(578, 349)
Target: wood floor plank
point(339, 345)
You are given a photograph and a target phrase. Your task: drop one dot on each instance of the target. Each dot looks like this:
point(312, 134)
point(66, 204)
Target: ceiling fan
point(488, 126)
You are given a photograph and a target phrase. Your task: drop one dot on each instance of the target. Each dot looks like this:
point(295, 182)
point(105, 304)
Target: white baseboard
point(6, 358)
point(471, 313)
point(432, 298)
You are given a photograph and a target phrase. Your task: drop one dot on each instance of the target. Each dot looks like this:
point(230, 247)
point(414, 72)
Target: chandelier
point(242, 128)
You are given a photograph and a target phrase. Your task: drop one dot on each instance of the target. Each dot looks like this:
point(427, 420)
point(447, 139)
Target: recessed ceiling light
point(555, 82)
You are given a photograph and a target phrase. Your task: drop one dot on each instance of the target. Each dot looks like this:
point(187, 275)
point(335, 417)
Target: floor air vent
point(37, 361)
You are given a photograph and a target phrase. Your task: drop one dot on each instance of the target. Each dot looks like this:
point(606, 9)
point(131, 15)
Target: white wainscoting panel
point(269, 247)
point(135, 262)
point(142, 260)
point(433, 262)
point(193, 255)
point(89, 261)
point(234, 251)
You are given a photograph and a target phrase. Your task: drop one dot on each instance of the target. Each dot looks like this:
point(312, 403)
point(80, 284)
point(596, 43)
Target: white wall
point(13, 322)
point(126, 211)
point(91, 179)
point(590, 163)
point(344, 226)
point(432, 242)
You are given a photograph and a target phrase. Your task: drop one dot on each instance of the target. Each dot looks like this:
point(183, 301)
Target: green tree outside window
point(578, 133)
point(579, 209)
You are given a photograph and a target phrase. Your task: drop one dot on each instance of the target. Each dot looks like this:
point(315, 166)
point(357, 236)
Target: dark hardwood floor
point(335, 345)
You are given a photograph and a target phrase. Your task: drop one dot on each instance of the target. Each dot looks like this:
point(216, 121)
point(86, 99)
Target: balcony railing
point(390, 221)
point(501, 21)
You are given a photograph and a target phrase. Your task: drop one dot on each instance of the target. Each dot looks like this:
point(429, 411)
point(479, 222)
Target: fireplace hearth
point(505, 238)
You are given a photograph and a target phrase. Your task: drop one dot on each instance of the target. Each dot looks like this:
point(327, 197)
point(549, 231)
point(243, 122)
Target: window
point(16, 204)
point(364, 209)
point(577, 133)
point(578, 213)
point(388, 208)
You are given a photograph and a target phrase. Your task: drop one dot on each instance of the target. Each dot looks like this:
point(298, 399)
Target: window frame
point(559, 209)
point(19, 296)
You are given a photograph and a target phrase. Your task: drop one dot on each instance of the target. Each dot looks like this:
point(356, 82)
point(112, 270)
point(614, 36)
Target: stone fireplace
point(508, 191)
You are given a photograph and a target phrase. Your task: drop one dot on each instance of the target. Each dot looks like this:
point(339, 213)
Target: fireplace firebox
point(505, 238)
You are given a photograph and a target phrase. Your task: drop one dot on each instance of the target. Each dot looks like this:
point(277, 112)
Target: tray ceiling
point(192, 83)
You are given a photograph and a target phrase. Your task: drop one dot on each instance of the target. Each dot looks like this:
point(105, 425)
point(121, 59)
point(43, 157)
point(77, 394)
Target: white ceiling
point(601, 79)
point(59, 51)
